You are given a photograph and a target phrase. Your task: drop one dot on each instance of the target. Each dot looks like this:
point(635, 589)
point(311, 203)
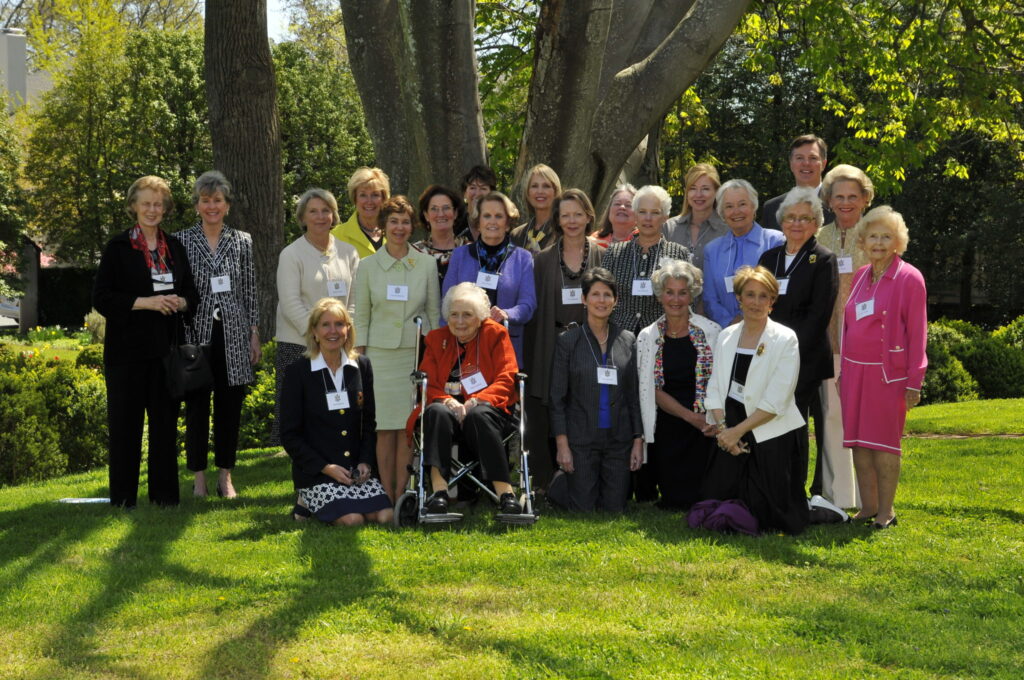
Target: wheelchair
point(410, 509)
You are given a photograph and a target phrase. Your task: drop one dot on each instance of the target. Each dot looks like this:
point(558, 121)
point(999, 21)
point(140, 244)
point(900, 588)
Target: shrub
point(96, 324)
point(91, 356)
point(1012, 333)
point(29, 448)
point(946, 378)
point(967, 329)
point(45, 334)
point(258, 408)
point(998, 367)
point(76, 400)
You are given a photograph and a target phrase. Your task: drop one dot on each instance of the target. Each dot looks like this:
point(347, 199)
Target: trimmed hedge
point(998, 367)
point(946, 378)
point(1012, 333)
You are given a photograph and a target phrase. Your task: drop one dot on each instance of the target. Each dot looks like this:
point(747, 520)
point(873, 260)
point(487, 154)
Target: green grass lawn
point(65, 351)
point(993, 416)
point(221, 589)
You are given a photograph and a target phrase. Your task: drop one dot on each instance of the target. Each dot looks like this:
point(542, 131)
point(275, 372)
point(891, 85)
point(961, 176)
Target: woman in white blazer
point(750, 400)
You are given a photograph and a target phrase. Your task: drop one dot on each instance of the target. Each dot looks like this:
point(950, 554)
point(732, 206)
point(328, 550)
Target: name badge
point(572, 296)
point(337, 400)
point(736, 391)
point(728, 284)
point(866, 308)
point(163, 282)
point(845, 264)
point(487, 280)
point(337, 288)
point(783, 286)
point(220, 284)
point(642, 287)
point(607, 375)
point(474, 382)
point(400, 293)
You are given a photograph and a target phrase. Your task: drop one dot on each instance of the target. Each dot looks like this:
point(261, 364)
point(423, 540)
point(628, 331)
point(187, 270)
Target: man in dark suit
point(808, 155)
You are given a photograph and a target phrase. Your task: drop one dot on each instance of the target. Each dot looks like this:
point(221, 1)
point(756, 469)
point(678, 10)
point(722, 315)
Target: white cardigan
point(771, 380)
point(646, 350)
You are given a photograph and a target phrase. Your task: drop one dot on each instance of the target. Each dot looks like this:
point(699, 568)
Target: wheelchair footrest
point(519, 520)
point(447, 518)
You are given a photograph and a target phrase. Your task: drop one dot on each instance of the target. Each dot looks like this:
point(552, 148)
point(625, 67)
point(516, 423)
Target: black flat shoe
point(437, 503)
point(299, 513)
point(508, 505)
point(879, 526)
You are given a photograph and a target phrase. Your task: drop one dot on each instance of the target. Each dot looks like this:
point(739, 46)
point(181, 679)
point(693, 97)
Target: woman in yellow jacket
point(368, 189)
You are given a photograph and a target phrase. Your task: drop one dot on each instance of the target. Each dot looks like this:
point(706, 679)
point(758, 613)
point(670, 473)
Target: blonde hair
point(891, 218)
point(544, 171)
point(153, 182)
point(496, 196)
point(329, 305)
point(374, 178)
point(746, 274)
point(692, 175)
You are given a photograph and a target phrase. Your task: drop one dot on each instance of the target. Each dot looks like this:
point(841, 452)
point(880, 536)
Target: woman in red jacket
point(470, 366)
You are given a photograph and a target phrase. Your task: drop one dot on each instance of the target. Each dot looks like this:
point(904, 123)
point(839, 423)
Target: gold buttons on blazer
point(348, 454)
point(344, 433)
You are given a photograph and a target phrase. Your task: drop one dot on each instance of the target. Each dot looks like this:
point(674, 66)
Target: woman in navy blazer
point(328, 424)
point(498, 266)
point(808, 279)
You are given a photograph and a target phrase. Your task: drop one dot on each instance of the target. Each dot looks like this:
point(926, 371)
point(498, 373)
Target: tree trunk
point(606, 72)
point(415, 67)
point(241, 92)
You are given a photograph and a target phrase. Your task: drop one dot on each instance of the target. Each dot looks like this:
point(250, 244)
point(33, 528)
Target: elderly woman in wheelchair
point(470, 366)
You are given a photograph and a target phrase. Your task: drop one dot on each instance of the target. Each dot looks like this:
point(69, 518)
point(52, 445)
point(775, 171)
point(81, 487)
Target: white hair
point(735, 184)
point(657, 192)
point(469, 292)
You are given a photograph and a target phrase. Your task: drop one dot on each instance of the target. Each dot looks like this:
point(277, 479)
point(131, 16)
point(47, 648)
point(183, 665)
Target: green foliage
point(946, 379)
point(258, 407)
point(965, 329)
point(96, 324)
point(1012, 333)
point(47, 334)
point(91, 356)
point(54, 418)
point(127, 104)
point(998, 367)
point(323, 133)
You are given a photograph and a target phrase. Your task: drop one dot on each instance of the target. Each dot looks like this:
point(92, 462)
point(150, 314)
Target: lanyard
point(337, 387)
point(479, 247)
point(458, 355)
point(604, 356)
point(796, 260)
point(874, 293)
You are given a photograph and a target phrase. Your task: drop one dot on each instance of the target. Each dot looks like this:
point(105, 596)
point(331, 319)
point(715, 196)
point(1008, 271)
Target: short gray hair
point(658, 193)
point(798, 195)
point(892, 219)
point(469, 292)
point(735, 184)
point(209, 183)
point(325, 196)
point(679, 270)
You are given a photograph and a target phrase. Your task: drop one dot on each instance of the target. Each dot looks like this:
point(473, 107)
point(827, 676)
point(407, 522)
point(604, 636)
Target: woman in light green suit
point(394, 286)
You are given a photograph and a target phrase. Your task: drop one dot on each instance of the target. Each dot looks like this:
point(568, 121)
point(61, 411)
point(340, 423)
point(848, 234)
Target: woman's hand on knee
point(564, 459)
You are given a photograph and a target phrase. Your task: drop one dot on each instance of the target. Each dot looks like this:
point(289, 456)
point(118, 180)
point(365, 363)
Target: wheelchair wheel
point(407, 510)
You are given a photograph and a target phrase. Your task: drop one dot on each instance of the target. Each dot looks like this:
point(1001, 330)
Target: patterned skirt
point(330, 500)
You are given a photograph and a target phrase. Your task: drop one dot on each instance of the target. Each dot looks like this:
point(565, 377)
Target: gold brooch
point(760, 349)
point(812, 259)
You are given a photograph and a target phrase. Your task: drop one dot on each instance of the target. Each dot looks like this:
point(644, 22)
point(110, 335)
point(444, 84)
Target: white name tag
point(845, 264)
point(607, 375)
point(400, 293)
point(728, 284)
point(337, 400)
point(572, 296)
point(474, 382)
point(220, 284)
point(642, 287)
point(866, 308)
point(783, 286)
point(736, 391)
point(487, 280)
point(163, 282)
point(337, 288)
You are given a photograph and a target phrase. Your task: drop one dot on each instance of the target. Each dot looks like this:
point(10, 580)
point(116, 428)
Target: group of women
point(667, 359)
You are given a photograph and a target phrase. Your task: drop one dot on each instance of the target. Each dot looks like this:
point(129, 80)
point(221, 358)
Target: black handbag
point(188, 370)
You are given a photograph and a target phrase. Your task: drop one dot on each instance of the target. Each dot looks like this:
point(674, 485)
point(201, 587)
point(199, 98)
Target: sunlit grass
point(220, 589)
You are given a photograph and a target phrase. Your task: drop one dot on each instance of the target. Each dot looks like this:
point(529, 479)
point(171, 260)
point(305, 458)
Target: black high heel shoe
point(879, 526)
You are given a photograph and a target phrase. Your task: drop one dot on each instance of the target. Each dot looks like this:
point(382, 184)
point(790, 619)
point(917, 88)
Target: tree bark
point(241, 93)
point(606, 72)
point(415, 67)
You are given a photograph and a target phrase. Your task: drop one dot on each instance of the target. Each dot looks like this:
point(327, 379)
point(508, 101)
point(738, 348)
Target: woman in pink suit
point(883, 360)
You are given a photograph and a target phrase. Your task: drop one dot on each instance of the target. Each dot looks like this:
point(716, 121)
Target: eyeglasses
point(802, 219)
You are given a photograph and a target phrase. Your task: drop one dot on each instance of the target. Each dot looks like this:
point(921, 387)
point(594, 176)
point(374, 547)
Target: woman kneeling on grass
point(328, 424)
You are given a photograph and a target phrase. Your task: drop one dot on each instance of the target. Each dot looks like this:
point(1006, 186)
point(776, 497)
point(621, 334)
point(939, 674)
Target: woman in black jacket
point(143, 286)
point(328, 424)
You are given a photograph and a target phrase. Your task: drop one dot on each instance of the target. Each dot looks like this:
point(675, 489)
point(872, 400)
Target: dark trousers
point(480, 432)
point(539, 442)
point(227, 413)
point(600, 477)
point(818, 414)
point(805, 398)
point(133, 391)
